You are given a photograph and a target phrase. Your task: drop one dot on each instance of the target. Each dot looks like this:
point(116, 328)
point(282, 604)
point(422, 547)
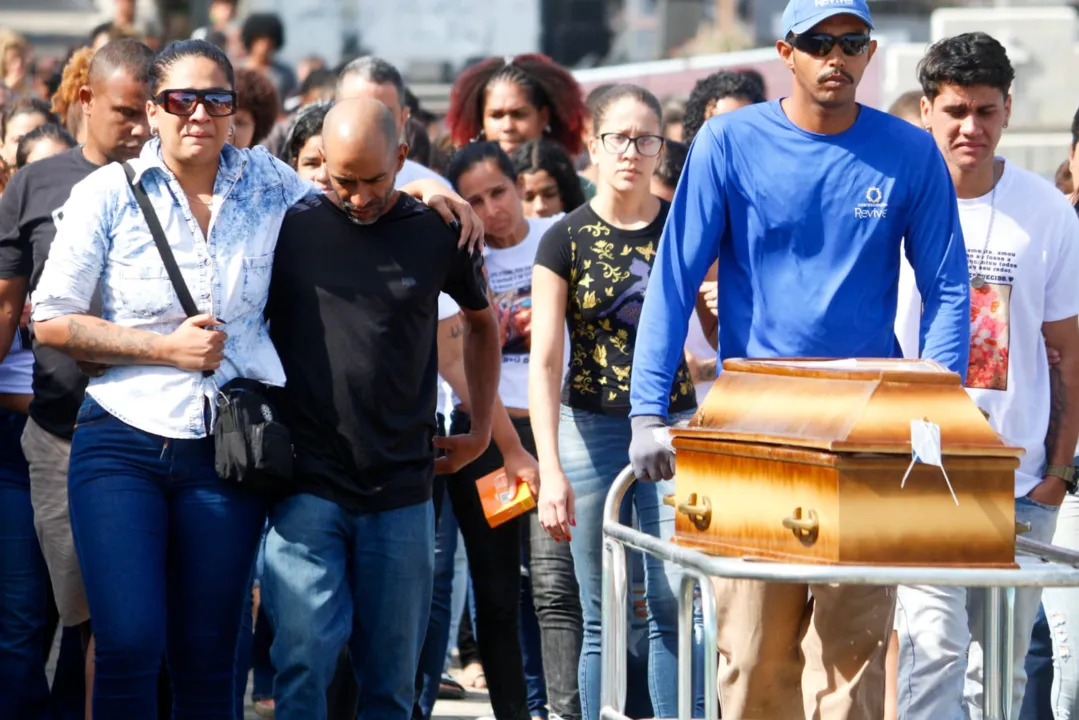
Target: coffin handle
point(806, 529)
point(699, 514)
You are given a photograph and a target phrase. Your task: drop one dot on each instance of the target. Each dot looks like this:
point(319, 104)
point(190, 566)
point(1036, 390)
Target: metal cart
point(1039, 565)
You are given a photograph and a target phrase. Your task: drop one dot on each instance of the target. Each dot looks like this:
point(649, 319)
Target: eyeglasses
point(821, 44)
point(218, 103)
point(618, 143)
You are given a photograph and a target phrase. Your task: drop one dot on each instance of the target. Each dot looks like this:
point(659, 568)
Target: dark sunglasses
point(218, 103)
point(618, 143)
point(821, 44)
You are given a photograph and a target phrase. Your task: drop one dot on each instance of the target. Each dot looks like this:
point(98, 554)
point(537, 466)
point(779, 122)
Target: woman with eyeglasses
point(591, 273)
point(165, 546)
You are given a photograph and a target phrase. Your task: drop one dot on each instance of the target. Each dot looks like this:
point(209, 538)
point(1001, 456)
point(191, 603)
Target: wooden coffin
point(802, 460)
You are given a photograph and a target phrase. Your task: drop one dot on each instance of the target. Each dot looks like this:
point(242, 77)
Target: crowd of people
point(414, 302)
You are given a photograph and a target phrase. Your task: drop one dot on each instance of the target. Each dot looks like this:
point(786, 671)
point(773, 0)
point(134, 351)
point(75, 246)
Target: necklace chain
point(200, 200)
point(979, 278)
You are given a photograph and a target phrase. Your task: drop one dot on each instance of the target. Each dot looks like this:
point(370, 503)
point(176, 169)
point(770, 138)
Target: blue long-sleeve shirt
point(807, 229)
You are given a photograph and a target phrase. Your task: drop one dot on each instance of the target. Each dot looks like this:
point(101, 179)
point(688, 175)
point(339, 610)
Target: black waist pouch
point(251, 448)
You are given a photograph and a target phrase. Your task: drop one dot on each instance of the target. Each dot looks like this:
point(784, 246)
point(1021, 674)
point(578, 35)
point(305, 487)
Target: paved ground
point(473, 707)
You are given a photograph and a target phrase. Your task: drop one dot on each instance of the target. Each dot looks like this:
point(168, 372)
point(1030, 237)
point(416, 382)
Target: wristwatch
point(1065, 473)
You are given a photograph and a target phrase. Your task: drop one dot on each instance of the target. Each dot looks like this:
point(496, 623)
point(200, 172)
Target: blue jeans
point(1038, 698)
point(437, 636)
point(24, 586)
point(334, 577)
point(460, 595)
point(166, 551)
point(262, 668)
point(531, 645)
point(1052, 664)
point(593, 449)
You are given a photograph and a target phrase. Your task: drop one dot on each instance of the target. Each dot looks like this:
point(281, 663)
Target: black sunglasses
point(821, 44)
point(218, 103)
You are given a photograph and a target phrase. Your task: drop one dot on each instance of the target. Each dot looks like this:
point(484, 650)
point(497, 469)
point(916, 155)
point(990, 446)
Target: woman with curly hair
point(514, 100)
point(256, 108)
point(546, 181)
point(65, 101)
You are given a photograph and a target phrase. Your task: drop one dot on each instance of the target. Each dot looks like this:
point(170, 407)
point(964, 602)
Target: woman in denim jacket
point(165, 547)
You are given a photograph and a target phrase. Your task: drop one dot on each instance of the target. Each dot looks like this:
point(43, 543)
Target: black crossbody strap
point(169, 260)
point(178, 284)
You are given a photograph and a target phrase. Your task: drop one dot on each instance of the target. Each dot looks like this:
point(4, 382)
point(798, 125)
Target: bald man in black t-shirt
point(353, 313)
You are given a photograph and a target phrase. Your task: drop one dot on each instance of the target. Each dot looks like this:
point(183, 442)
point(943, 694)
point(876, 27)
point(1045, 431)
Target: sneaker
point(264, 708)
point(450, 689)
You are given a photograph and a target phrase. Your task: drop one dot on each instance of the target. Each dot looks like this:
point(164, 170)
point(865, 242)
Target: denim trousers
point(593, 449)
point(166, 551)
point(24, 586)
point(335, 577)
point(940, 639)
point(253, 651)
point(1058, 620)
point(261, 667)
point(437, 636)
point(532, 651)
point(1038, 697)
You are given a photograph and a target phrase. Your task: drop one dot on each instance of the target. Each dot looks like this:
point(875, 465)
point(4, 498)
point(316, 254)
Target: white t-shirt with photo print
point(1030, 265)
point(509, 277)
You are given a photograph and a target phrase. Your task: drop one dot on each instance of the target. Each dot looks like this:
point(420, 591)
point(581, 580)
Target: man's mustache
point(826, 76)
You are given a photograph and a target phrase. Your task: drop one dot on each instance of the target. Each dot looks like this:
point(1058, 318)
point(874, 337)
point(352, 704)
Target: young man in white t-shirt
point(1022, 242)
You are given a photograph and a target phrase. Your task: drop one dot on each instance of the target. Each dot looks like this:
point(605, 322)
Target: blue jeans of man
point(593, 449)
point(333, 577)
point(437, 635)
point(24, 586)
point(1053, 663)
point(1038, 698)
point(166, 551)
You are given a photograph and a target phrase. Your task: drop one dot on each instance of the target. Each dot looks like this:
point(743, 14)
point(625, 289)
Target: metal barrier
point(1040, 565)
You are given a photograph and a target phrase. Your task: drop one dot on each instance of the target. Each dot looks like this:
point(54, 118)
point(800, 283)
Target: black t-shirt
point(27, 227)
point(353, 313)
point(607, 270)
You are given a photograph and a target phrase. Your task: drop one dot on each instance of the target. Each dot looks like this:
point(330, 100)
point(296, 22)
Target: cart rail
point(1040, 565)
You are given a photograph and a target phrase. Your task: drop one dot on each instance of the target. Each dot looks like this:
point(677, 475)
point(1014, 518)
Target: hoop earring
point(547, 130)
point(153, 132)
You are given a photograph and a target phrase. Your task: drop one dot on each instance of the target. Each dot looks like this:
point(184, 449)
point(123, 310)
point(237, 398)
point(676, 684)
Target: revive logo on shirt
point(874, 206)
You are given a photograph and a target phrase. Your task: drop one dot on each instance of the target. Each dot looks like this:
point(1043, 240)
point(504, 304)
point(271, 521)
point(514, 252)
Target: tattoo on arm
point(457, 330)
point(100, 341)
point(704, 371)
point(1058, 410)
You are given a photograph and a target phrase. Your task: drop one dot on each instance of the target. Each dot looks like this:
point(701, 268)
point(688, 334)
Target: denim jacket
point(102, 238)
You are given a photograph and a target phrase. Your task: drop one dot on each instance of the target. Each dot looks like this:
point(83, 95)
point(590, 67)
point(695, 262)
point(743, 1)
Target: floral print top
point(607, 269)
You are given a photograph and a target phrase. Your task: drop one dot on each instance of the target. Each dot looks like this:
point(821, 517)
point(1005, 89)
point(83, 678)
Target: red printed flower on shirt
point(990, 307)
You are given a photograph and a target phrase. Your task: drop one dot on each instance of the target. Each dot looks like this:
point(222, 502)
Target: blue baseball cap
point(802, 15)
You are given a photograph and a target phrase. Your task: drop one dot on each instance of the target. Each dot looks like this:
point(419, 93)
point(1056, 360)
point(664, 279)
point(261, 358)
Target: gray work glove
point(650, 451)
